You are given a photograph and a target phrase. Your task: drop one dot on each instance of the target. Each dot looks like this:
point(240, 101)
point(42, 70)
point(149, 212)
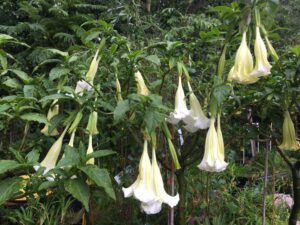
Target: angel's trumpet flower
point(141, 86)
point(243, 65)
point(90, 150)
point(142, 188)
point(53, 111)
point(212, 160)
point(220, 139)
point(71, 142)
point(119, 91)
point(93, 68)
point(289, 141)
point(81, 86)
point(50, 160)
point(196, 120)
point(181, 111)
point(92, 123)
point(159, 190)
point(262, 65)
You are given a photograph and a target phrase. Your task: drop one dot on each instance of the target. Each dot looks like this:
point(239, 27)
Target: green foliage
point(47, 47)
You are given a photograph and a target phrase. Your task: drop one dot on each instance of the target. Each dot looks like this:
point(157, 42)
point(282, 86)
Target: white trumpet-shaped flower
point(82, 86)
point(93, 68)
point(196, 119)
point(149, 186)
point(50, 160)
point(212, 160)
point(220, 139)
point(262, 65)
point(142, 188)
point(53, 111)
point(243, 65)
point(90, 150)
point(71, 142)
point(141, 86)
point(289, 140)
point(119, 91)
point(158, 183)
point(181, 111)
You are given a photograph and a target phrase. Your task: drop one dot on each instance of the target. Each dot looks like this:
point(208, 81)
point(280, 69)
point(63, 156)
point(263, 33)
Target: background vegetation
point(46, 46)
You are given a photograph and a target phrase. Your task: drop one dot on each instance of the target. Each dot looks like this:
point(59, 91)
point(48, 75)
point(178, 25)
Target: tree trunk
point(295, 214)
point(182, 185)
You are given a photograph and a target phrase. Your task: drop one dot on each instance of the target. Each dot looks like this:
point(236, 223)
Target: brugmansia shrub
point(111, 85)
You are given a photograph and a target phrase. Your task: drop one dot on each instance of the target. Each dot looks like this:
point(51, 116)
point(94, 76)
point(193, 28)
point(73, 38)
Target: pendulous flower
point(53, 111)
point(50, 160)
point(196, 119)
point(81, 86)
point(262, 65)
point(142, 188)
point(119, 91)
point(181, 111)
point(159, 190)
point(90, 150)
point(289, 140)
point(213, 159)
point(93, 68)
point(141, 86)
point(220, 139)
point(243, 65)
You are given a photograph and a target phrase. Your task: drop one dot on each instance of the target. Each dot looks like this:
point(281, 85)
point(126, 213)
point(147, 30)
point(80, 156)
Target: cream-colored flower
point(50, 160)
point(53, 111)
point(82, 86)
point(181, 111)
point(220, 139)
point(243, 65)
point(262, 65)
point(71, 142)
point(289, 140)
point(141, 86)
point(212, 160)
point(119, 91)
point(90, 150)
point(196, 119)
point(158, 183)
point(142, 188)
point(92, 123)
point(93, 68)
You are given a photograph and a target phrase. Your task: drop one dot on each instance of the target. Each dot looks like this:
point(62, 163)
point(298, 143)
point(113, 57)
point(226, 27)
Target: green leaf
point(54, 96)
point(9, 188)
point(35, 117)
point(6, 165)
point(100, 177)
point(58, 52)
point(29, 90)
point(296, 50)
point(57, 72)
point(100, 153)
point(12, 83)
point(3, 60)
point(71, 157)
point(47, 185)
point(5, 38)
point(121, 110)
point(22, 75)
point(33, 156)
point(79, 190)
point(4, 107)
point(154, 59)
point(152, 120)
